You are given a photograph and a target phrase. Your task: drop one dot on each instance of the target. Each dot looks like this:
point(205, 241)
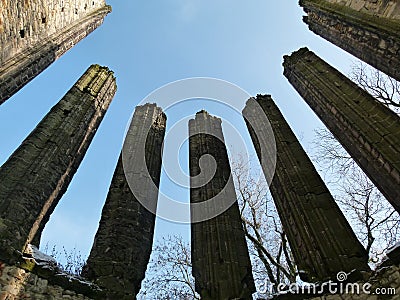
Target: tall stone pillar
point(38, 173)
point(321, 239)
point(367, 129)
point(123, 242)
point(369, 30)
point(220, 259)
point(33, 34)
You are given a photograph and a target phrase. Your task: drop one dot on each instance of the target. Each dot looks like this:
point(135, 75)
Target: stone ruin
point(37, 174)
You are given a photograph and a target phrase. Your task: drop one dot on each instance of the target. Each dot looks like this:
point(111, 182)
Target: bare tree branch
point(381, 86)
point(269, 250)
point(169, 275)
point(373, 219)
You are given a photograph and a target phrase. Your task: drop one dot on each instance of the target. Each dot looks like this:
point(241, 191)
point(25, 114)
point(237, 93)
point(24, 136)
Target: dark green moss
point(367, 21)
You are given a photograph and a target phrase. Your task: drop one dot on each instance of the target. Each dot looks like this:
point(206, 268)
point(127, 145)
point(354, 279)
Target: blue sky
point(149, 44)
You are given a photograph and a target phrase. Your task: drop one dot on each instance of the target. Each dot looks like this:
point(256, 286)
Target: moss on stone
point(390, 26)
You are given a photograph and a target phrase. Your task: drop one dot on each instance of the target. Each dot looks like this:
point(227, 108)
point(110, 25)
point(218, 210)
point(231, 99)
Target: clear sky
point(149, 44)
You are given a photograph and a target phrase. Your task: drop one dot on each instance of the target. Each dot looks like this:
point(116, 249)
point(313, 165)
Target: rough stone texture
point(321, 239)
point(37, 174)
point(17, 283)
point(369, 30)
point(383, 284)
point(380, 8)
point(220, 259)
point(33, 34)
point(123, 242)
point(368, 130)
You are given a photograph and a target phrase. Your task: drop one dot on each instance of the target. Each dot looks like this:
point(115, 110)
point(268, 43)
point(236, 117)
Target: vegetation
point(70, 262)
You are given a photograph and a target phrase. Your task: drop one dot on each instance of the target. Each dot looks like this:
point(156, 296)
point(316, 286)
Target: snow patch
point(394, 248)
point(40, 258)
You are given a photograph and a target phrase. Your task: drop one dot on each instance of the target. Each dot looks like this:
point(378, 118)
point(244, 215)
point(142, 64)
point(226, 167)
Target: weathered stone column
point(33, 34)
point(321, 239)
point(220, 259)
point(123, 242)
point(369, 30)
point(38, 173)
point(367, 129)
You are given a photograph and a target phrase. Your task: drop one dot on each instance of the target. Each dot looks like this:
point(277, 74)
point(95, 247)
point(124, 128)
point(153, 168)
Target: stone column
point(123, 242)
point(321, 239)
point(38, 173)
point(367, 129)
point(220, 259)
point(33, 34)
point(369, 30)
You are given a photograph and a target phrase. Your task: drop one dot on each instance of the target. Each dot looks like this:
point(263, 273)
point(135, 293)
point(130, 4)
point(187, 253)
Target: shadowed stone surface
point(369, 30)
point(221, 263)
point(33, 34)
point(38, 173)
point(319, 235)
point(367, 129)
point(123, 242)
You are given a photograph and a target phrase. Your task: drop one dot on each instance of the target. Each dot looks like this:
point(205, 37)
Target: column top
point(295, 56)
point(96, 79)
point(204, 115)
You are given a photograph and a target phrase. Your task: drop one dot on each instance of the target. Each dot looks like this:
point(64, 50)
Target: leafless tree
point(271, 257)
point(384, 88)
point(68, 261)
point(169, 275)
point(374, 220)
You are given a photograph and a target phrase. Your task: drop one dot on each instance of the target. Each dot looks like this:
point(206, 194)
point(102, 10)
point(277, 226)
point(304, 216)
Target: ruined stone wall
point(382, 8)
point(375, 40)
point(367, 129)
point(38, 173)
point(25, 23)
point(33, 34)
point(221, 263)
point(17, 283)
